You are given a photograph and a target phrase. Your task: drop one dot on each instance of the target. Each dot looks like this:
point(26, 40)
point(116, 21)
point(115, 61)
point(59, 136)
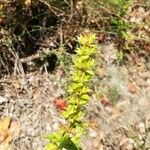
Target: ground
point(118, 113)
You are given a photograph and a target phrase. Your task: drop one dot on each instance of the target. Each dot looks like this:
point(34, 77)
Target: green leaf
point(69, 111)
point(51, 146)
point(84, 65)
point(90, 72)
point(81, 77)
point(74, 86)
point(79, 131)
point(86, 40)
point(85, 90)
point(85, 97)
point(67, 143)
point(86, 51)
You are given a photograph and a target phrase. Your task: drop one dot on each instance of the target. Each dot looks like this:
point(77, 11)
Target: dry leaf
point(133, 88)
point(6, 123)
point(36, 93)
point(60, 104)
point(14, 129)
point(3, 135)
point(6, 147)
point(1, 125)
point(115, 112)
point(8, 130)
point(7, 139)
point(105, 101)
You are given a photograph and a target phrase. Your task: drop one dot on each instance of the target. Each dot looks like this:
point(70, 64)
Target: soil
point(118, 113)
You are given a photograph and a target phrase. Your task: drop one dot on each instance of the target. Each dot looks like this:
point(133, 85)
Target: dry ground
point(118, 119)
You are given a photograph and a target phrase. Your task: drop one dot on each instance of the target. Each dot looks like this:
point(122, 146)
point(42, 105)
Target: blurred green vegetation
point(30, 27)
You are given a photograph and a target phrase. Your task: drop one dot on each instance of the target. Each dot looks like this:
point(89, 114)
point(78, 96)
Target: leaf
point(115, 112)
point(73, 100)
point(85, 90)
point(83, 102)
point(79, 116)
point(105, 100)
point(6, 147)
point(74, 87)
point(86, 40)
point(133, 88)
point(85, 51)
point(8, 139)
point(84, 65)
point(1, 125)
point(67, 143)
point(80, 77)
point(5, 123)
point(55, 137)
point(51, 146)
point(60, 104)
point(85, 96)
point(91, 72)
point(3, 135)
point(14, 129)
point(69, 111)
point(8, 130)
point(36, 93)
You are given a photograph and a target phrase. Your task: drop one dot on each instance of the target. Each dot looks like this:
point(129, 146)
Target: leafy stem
point(78, 93)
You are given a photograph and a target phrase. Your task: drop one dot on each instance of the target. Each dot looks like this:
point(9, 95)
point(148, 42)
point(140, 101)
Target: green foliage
point(78, 95)
point(113, 14)
point(118, 21)
point(65, 61)
point(119, 7)
point(113, 94)
point(120, 56)
point(60, 140)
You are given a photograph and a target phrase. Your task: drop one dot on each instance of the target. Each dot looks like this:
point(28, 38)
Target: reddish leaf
point(105, 101)
point(133, 88)
point(60, 104)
